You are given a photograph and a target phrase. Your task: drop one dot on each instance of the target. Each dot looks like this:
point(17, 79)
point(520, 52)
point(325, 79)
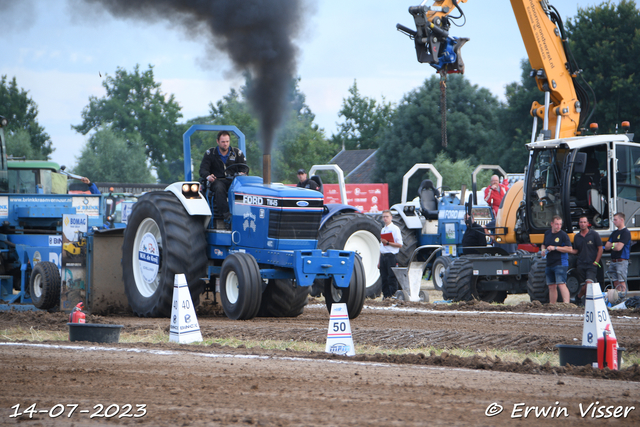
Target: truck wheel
point(283, 298)
point(457, 281)
point(44, 285)
point(160, 241)
point(353, 231)
point(437, 271)
point(573, 284)
point(240, 286)
point(537, 282)
point(460, 284)
point(353, 296)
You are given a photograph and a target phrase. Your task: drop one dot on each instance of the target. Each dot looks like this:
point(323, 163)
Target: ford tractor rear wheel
point(160, 241)
point(353, 231)
point(240, 286)
point(283, 298)
point(44, 285)
point(353, 295)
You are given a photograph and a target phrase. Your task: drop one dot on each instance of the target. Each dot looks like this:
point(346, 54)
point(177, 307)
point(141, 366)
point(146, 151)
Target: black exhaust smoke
point(257, 35)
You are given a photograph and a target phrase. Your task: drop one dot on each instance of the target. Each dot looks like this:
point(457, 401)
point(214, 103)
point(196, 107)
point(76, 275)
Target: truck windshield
point(545, 185)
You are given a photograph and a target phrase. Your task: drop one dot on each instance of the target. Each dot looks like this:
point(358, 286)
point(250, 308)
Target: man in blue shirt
point(556, 247)
point(620, 245)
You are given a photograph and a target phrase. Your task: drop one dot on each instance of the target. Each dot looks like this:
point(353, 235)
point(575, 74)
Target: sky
point(60, 53)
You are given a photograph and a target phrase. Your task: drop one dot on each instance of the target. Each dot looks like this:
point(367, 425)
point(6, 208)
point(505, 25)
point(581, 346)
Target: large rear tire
point(44, 285)
point(160, 241)
point(353, 295)
point(240, 286)
point(283, 298)
point(353, 231)
point(537, 282)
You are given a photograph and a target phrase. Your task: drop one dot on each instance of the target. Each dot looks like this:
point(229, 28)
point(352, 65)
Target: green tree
point(108, 157)
point(472, 115)
point(19, 145)
point(136, 109)
point(22, 112)
point(516, 123)
point(605, 41)
point(364, 121)
point(458, 173)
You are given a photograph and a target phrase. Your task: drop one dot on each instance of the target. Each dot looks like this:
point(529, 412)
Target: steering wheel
point(236, 169)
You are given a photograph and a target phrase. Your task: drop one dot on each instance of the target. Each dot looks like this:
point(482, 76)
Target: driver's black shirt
point(212, 162)
point(309, 183)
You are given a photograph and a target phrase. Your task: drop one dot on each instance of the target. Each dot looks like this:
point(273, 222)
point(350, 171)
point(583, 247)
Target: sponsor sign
point(148, 258)
point(86, 205)
point(373, 198)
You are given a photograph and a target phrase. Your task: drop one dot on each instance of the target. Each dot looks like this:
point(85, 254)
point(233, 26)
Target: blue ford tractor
point(265, 263)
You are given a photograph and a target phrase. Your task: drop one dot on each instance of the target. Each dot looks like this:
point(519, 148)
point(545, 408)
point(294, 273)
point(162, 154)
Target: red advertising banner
point(365, 197)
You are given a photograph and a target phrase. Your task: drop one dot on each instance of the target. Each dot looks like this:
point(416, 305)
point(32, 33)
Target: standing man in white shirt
point(390, 244)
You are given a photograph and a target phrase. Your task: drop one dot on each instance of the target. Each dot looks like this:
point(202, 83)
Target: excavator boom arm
point(542, 38)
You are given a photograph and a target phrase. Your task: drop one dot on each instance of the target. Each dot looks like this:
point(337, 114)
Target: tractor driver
point(214, 164)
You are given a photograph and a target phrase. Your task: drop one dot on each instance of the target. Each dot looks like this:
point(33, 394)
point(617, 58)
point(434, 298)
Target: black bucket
point(94, 332)
point(581, 355)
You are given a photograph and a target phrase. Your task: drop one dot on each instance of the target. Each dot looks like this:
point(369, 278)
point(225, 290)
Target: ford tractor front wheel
point(353, 295)
point(240, 286)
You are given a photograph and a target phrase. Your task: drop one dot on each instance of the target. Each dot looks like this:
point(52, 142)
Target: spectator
point(389, 247)
point(556, 247)
point(92, 186)
point(620, 246)
point(494, 193)
point(588, 247)
point(474, 236)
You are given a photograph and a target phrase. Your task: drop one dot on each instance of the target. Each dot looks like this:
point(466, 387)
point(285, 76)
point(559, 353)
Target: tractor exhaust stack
point(266, 168)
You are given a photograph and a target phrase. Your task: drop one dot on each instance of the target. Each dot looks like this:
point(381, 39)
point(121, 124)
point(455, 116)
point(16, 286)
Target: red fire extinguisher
point(77, 316)
point(607, 351)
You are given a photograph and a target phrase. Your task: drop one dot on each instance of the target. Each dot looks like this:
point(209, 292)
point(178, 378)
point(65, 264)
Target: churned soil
point(221, 385)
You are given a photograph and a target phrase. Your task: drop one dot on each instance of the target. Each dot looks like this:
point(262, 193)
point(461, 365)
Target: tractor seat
point(318, 181)
point(428, 199)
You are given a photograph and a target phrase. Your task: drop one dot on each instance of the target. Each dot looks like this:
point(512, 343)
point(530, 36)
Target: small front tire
point(240, 286)
point(44, 285)
point(353, 295)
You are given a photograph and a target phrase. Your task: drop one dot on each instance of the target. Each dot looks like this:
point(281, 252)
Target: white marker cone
point(184, 326)
point(339, 339)
point(596, 317)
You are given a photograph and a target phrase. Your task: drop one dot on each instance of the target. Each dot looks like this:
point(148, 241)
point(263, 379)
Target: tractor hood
point(274, 216)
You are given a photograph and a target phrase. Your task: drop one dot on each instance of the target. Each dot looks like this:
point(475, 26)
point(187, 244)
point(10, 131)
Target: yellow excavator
point(569, 174)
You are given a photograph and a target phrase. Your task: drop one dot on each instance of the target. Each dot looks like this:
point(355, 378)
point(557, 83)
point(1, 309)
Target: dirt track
point(215, 385)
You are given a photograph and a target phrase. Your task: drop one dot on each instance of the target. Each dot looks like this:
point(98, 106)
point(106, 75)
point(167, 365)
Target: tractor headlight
point(191, 190)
